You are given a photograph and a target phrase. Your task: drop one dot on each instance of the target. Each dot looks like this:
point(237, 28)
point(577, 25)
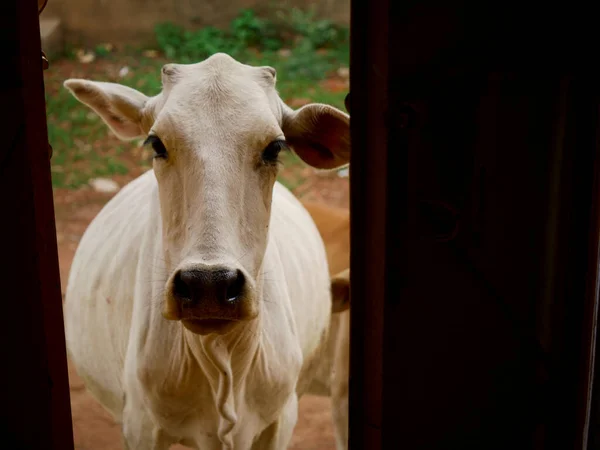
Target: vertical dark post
point(474, 225)
point(369, 208)
point(589, 414)
point(35, 391)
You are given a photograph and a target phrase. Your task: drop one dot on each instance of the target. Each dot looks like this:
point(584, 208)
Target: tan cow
point(198, 302)
point(332, 379)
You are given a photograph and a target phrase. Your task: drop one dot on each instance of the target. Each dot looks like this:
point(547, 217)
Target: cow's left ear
point(319, 134)
point(119, 106)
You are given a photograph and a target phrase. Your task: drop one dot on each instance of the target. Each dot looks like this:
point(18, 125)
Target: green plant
point(187, 46)
point(69, 51)
point(169, 38)
point(102, 51)
point(251, 31)
point(298, 30)
point(321, 33)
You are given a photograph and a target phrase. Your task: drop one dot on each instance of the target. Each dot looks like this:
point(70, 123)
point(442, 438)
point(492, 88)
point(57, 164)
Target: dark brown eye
point(270, 154)
point(160, 151)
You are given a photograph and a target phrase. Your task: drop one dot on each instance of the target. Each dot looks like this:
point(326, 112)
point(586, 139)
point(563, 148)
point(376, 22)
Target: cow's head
point(216, 131)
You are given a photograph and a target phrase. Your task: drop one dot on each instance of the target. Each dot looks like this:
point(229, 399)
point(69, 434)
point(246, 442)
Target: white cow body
point(124, 349)
point(170, 364)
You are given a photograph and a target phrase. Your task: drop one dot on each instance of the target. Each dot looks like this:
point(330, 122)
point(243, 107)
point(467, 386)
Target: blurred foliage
point(314, 46)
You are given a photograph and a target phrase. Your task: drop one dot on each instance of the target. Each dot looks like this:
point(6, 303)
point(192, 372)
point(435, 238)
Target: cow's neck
point(235, 349)
point(226, 360)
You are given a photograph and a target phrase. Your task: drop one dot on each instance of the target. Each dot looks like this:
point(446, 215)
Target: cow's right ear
point(119, 106)
point(340, 291)
point(319, 134)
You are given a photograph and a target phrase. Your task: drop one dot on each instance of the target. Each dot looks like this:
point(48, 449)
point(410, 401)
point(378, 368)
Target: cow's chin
point(204, 323)
point(204, 327)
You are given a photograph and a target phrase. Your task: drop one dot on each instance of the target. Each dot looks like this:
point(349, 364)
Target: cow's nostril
point(198, 285)
point(236, 281)
point(181, 285)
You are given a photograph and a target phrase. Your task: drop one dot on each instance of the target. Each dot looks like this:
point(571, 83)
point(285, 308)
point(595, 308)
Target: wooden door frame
point(36, 403)
point(377, 113)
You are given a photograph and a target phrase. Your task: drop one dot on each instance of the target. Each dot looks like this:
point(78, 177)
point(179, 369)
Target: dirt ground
point(93, 428)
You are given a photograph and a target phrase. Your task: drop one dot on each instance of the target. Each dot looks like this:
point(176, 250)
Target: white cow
point(198, 301)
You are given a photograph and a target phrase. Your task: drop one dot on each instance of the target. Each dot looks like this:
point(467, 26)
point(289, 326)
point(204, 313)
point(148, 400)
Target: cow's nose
point(221, 284)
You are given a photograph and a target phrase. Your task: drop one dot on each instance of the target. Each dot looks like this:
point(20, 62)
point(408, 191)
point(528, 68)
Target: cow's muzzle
point(208, 298)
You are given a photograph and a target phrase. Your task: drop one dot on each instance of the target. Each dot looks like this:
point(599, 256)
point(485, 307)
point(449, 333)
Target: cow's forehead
point(215, 95)
point(218, 83)
point(218, 61)
point(216, 73)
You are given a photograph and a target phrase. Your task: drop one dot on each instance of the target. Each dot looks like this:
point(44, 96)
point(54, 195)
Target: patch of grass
point(102, 50)
point(83, 146)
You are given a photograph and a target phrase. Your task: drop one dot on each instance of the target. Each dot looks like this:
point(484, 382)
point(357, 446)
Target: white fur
point(212, 201)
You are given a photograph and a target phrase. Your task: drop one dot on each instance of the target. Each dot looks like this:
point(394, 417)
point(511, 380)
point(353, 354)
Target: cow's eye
point(160, 151)
point(270, 154)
